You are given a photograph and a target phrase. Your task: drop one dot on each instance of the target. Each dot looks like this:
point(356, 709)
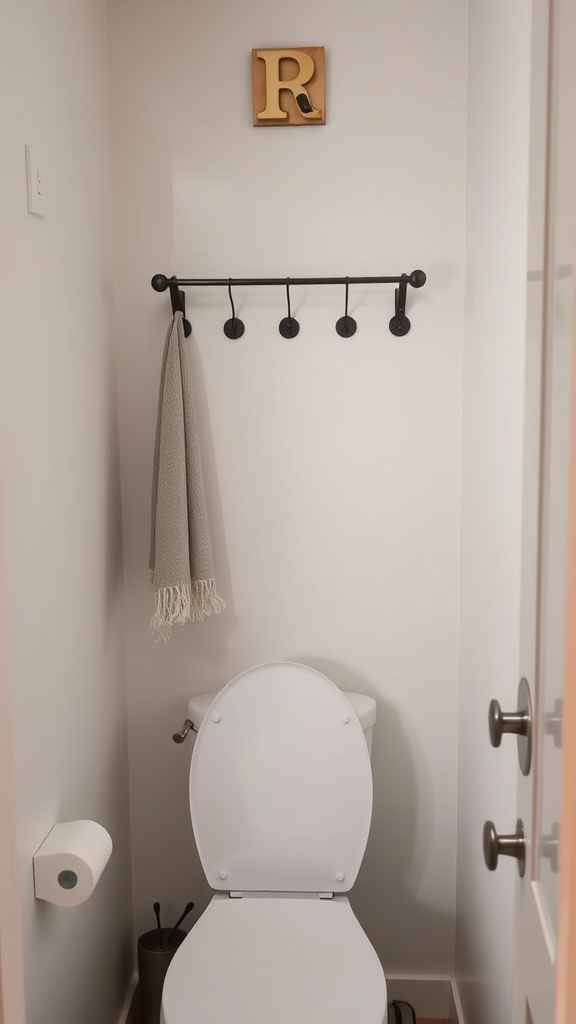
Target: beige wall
point(61, 497)
point(12, 1007)
point(492, 450)
point(332, 466)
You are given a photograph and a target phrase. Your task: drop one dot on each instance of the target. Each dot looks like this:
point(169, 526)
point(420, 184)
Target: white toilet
point(281, 802)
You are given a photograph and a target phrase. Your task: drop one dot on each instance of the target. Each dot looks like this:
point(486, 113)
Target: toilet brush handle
point(187, 909)
point(156, 907)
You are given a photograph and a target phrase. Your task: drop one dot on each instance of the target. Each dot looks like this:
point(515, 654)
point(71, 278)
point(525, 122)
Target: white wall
point(493, 389)
point(332, 466)
point(61, 496)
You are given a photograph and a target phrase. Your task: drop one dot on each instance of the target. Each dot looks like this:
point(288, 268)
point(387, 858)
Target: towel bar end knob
point(417, 278)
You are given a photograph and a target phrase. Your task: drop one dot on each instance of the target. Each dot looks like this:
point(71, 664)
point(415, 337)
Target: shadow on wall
point(385, 896)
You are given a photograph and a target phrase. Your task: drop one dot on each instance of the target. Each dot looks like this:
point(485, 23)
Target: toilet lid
point(281, 784)
point(275, 960)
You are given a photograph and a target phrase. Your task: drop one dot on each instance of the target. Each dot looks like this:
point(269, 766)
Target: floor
point(133, 1017)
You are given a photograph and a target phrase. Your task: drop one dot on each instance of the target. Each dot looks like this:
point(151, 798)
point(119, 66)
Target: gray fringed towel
point(181, 563)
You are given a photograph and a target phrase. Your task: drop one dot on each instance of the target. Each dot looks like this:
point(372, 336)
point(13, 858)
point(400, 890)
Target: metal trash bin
point(153, 962)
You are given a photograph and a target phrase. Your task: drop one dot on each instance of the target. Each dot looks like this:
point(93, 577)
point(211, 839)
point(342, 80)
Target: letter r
point(275, 84)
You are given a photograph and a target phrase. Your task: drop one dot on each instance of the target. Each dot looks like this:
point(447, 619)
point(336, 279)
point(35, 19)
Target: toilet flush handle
point(179, 737)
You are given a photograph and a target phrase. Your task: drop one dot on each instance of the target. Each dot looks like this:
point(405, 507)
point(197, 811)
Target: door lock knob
point(518, 722)
point(505, 846)
point(500, 722)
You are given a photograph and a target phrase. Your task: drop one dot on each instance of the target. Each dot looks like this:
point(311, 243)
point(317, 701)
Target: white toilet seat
point(281, 784)
point(275, 960)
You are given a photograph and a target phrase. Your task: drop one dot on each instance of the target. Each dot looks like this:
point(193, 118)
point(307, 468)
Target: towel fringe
point(176, 605)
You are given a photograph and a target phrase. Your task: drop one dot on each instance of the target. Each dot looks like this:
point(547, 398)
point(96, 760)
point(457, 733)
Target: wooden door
point(549, 530)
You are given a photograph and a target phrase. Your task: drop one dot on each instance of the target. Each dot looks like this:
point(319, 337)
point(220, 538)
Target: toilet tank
point(363, 706)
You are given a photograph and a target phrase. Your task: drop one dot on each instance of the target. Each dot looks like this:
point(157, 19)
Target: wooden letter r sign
point(288, 86)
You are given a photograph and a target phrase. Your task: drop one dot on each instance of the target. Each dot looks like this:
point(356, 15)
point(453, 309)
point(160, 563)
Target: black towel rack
point(399, 324)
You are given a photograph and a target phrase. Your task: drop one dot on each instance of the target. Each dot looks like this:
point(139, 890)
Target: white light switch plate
point(35, 183)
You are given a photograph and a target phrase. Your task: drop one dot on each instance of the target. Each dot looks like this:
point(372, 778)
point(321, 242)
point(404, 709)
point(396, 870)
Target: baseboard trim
point(430, 997)
point(456, 1012)
point(126, 1014)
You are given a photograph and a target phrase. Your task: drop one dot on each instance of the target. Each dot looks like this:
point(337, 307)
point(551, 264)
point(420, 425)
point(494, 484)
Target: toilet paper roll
point(70, 861)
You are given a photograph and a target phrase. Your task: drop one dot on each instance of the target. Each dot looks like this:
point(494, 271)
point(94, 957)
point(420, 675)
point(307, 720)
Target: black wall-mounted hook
point(178, 300)
point(233, 328)
point(346, 326)
point(400, 324)
point(288, 326)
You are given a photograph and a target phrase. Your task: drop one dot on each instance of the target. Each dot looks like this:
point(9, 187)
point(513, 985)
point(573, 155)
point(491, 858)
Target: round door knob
point(505, 846)
point(500, 722)
point(518, 722)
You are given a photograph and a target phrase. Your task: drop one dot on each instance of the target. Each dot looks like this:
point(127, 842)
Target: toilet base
point(286, 958)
